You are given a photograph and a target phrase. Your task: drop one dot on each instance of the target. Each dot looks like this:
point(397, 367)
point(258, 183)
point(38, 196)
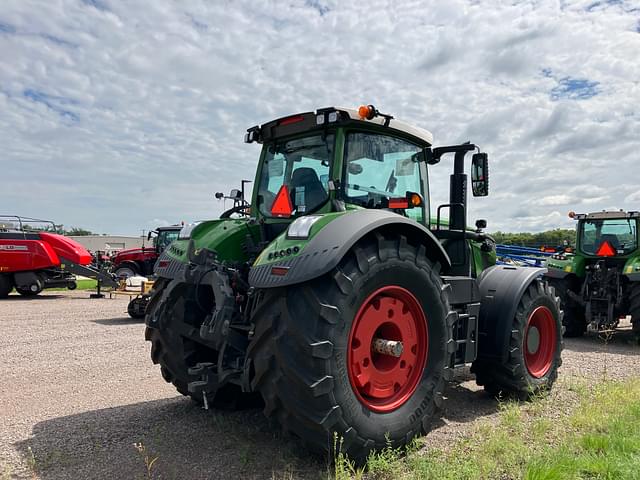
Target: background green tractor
point(600, 282)
point(336, 298)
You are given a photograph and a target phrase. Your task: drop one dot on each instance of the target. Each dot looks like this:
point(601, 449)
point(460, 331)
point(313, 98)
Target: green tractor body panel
point(560, 266)
point(632, 268)
point(285, 247)
point(226, 237)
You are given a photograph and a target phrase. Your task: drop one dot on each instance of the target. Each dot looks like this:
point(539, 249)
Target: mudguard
point(325, 250)
point(501, 288)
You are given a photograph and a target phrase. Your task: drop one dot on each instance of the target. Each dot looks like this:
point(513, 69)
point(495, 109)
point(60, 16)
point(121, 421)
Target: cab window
point(380, 167)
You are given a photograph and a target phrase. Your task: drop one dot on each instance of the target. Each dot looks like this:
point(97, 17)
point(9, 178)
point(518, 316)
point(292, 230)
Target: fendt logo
point(14, 247)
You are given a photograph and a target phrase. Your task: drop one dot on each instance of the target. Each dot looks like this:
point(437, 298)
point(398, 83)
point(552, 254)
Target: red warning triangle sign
point(605, 250)
point(282, 206)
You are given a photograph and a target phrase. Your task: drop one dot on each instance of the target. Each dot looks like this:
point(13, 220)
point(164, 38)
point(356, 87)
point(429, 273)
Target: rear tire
point(634, 307)
point(6, 285)
point(307, 358)
point(574, 320)
point(535, 347)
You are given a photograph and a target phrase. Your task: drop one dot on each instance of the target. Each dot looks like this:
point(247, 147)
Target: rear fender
point(501, 288)
point(327, 248)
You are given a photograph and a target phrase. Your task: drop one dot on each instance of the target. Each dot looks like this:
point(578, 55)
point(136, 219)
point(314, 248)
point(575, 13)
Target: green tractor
point(600, 281)
point(335, 297)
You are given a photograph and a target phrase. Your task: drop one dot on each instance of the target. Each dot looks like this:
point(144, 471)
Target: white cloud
point(115, 113)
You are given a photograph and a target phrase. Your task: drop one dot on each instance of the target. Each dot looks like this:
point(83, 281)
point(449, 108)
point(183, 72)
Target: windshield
point(165, 238)
point(620, 233)
point(302, 165)
point(380, 167)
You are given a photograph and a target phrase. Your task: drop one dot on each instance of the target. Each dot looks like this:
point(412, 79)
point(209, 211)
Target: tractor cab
point(339, 159)
point(163, 237)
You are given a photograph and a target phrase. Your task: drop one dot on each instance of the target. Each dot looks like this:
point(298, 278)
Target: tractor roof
point(603, 215)
point(326, 117)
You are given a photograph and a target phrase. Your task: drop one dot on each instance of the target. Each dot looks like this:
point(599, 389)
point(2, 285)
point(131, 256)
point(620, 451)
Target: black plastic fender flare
point(325, 250)
point(501, 288)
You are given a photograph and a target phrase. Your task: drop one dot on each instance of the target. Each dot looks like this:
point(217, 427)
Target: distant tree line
point(59, 228)
point(550, 238)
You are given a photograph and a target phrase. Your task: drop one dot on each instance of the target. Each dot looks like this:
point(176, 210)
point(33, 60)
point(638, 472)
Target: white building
point(108, 243)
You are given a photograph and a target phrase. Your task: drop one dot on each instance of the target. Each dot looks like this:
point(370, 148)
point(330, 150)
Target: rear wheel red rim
point(382, 382)
point(540, 342)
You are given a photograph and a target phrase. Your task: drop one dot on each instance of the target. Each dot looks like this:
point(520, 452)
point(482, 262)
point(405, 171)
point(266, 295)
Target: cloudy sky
point(117, 116)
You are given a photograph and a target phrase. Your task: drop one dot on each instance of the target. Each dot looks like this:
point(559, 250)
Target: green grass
point(88, 284)
point(597, 436)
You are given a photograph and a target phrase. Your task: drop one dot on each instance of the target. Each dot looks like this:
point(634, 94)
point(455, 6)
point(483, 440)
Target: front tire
point(33, 289)
point(535, 347)
point(313, 359)
point(125, 272)
point(178, 318)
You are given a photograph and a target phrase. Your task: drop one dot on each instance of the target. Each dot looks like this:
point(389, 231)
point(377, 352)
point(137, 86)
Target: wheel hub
point(388, 346)
point(533, 340)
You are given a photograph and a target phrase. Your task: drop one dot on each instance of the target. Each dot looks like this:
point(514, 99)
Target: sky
point(119, 116)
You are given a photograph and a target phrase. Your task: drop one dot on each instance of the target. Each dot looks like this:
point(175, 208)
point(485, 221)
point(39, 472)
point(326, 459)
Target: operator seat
point(612, 239)
point(314, 193)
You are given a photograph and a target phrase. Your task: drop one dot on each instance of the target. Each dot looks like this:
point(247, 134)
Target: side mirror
point(149, 235)
point(481, 224)
point(480, 175)
point(219, 195)
point(235, 194)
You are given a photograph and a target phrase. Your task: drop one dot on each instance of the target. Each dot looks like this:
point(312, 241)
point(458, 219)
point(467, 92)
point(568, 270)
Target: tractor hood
point(67, 248)
point(232, 239)
point(132, 254)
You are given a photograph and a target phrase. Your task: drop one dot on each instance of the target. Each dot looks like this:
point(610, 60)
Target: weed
point(147, 457)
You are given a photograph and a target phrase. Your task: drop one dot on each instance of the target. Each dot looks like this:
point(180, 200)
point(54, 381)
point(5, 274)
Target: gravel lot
point(79, 390)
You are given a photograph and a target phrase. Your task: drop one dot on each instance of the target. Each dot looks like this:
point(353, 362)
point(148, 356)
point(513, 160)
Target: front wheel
point(535, 347)
point(125, 272)
point(358, 353)
point(32, 289)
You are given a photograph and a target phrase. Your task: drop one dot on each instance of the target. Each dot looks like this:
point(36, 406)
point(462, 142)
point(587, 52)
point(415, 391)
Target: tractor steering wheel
point(236, 209)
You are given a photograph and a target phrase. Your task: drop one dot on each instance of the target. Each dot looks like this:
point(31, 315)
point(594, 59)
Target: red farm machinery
point(34, 257)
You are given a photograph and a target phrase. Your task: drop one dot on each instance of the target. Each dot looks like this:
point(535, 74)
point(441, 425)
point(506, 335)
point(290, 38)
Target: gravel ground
point(79, 390)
